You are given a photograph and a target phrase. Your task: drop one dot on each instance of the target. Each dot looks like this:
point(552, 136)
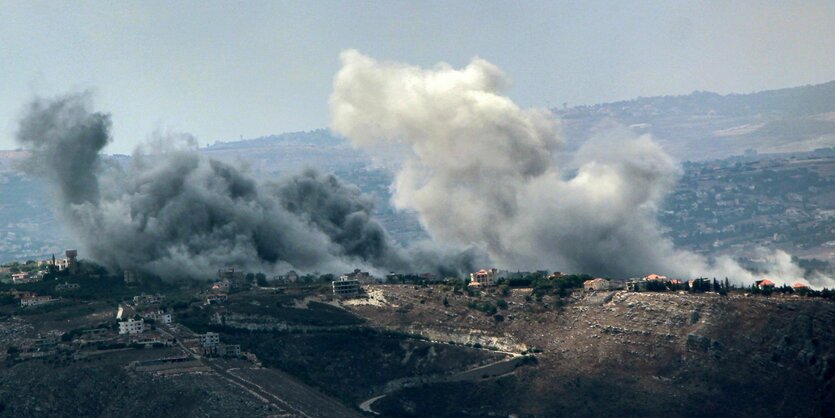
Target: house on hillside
point(764, 284)
point(474, 286)
point(23, 277)
point(65, 287)
point(34, 300)
point(159, 316)
point(655, 277)
point(211, 346)
point(215, 298)
point(702, 284)
point(596, 284)
point(363, 277)
point(485, 277)
point(636, 285)
point(346, 288)
point(209, 339)
point(800, 287)
point(146, 300)
point(131, 326)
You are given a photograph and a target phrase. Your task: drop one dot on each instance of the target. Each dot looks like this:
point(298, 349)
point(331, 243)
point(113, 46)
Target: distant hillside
point(274, 155)
point(788, 102)
point(705, 125)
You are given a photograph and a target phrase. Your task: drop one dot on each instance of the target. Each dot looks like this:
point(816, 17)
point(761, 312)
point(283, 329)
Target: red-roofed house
point(799, 286)
point(765, 283)
point(655, 277)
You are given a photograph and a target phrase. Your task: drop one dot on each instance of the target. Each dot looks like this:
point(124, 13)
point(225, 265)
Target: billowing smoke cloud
point(479, 170)
point(175, 213)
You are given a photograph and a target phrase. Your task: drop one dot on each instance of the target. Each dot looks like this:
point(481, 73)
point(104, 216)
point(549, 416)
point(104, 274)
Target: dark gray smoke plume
point(480, 171)
point(179, 214)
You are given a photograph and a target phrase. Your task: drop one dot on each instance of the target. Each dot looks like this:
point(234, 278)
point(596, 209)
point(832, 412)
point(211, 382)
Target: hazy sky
point(220, 70)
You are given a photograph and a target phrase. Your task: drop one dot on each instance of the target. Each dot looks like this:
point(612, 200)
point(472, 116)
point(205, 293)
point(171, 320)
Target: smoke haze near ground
point(174, 213)
point(480, 171)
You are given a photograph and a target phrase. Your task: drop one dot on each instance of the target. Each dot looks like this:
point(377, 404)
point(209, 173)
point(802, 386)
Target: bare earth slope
point(628, 354)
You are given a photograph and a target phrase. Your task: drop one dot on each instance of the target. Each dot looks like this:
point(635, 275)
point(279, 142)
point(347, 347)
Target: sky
point(223, 70)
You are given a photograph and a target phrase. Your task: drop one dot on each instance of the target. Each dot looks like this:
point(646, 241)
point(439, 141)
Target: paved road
point(497, 368)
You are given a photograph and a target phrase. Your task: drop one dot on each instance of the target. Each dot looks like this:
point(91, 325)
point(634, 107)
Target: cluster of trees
point(561, 286)
point(826, 293)
point(699, 285)
point(723, 287)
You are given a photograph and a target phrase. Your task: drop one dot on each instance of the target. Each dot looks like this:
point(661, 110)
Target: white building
point(132, 326)
point(485, 277)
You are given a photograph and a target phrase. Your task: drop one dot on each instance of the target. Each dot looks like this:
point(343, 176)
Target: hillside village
point(239, 328)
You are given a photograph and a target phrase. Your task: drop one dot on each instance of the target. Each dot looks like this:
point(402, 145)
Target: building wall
point(346, 287)
point(132, 326)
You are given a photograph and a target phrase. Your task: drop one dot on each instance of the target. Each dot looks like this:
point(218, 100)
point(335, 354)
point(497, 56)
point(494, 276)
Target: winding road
point(497, 368)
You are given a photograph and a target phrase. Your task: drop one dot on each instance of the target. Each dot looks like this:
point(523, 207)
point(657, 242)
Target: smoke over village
point(417, 209)
point(480, 172)
point(178, 214)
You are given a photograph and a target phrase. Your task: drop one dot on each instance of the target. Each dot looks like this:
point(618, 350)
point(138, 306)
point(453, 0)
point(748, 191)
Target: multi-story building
point(346, 287)
point(131, 326)
point(209, 339)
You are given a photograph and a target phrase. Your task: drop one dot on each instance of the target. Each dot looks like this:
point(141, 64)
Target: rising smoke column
point(179, 214)
point(479, 170)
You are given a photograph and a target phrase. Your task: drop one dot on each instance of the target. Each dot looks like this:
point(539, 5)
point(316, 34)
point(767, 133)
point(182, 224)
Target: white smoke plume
point(480, 171)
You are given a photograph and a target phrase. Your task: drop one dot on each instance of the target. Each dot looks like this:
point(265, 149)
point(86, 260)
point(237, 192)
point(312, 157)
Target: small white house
point(485, 277)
